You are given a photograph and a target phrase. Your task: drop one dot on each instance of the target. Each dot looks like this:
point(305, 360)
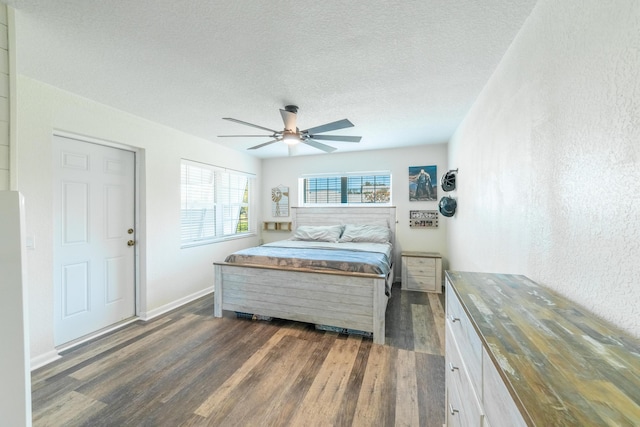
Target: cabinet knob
point(454, 319)
point(453, 368)
point(452, 411)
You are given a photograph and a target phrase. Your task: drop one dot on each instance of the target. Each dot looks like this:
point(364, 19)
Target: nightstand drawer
point(416, 262)
point(425, 267)
point(420, 283)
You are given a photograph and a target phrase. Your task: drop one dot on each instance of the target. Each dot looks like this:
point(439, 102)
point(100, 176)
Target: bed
point(319, 293)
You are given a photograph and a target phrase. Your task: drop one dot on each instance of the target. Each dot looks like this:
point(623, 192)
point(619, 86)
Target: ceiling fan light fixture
point(290, 138)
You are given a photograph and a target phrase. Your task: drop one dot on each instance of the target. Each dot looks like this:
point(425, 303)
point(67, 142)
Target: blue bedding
point(336, 257)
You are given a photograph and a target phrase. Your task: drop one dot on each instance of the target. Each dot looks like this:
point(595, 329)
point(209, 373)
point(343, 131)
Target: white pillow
point(365, 233)
point(318, 233)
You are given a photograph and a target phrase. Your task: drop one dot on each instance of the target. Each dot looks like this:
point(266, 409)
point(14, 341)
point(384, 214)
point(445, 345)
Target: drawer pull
point(452, 411)
point(453, 368)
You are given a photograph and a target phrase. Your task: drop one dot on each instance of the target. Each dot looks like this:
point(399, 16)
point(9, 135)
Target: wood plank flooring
point(187, 368)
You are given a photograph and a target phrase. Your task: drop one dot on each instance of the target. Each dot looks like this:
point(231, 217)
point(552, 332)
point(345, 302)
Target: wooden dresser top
point(562, 365)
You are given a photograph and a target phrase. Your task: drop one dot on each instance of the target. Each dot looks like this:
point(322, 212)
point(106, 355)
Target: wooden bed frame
point(355, 301)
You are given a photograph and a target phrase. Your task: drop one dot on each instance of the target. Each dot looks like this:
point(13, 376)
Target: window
point(215, 203)
point(351, 188)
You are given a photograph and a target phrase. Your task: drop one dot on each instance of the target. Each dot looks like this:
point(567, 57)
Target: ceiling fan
point(291, 135)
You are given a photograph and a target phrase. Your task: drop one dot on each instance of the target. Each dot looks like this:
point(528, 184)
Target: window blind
point(348, 188)
point(215, 203)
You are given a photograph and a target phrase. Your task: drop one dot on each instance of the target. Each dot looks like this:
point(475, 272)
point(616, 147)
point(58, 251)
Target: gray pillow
point(318, 233)
point(365, 233)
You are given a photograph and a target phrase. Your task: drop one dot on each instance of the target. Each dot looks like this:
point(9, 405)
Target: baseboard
point(44, 359)
point(97, 334)
point(148, 315)
point(53, 355)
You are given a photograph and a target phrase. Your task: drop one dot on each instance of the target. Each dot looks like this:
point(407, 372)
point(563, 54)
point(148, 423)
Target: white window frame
point(301, 188)
point(217, 203)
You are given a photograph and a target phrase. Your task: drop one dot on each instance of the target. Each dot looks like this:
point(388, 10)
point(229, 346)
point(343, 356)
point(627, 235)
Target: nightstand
point(422, 271)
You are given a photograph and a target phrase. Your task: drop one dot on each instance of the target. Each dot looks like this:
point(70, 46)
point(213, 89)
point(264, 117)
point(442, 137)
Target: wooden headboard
point(333, 215)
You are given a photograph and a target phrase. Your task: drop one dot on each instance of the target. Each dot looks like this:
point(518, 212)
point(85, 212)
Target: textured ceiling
point(404, 72)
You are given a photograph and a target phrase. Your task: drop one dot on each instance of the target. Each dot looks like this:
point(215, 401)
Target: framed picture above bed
point(422, 183)
point(280, 201)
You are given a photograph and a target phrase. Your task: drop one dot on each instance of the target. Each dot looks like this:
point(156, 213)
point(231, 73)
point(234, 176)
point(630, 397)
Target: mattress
point(370, 258)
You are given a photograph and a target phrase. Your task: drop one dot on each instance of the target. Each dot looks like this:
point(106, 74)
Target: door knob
point(131, 243)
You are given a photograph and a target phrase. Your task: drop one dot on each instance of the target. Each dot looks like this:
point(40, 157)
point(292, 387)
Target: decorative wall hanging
point(423, 219)
point(280, 201)
point(421, 187)
point(448, 180)
point(447, 206)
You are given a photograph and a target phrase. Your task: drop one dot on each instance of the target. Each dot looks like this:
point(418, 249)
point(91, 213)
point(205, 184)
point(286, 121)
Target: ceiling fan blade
point(245, 136)
point(264, 144)
point(319, 146)
point(340, 124)
point(336, 138)
point(248, 124)
point(289, 119)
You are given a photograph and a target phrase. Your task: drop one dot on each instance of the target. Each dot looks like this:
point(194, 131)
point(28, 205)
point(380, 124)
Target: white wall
point(169, 273)
point(549, 159)
point(286, 171)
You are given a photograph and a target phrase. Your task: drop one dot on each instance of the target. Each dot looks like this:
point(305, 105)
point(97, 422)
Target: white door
point(94, 256)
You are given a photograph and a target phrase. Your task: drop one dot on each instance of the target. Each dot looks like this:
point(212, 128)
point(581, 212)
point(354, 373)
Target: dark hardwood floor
point(187, 368)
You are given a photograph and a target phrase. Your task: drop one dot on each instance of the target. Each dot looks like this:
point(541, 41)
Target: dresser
point(421, 271)
point(518, 354)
